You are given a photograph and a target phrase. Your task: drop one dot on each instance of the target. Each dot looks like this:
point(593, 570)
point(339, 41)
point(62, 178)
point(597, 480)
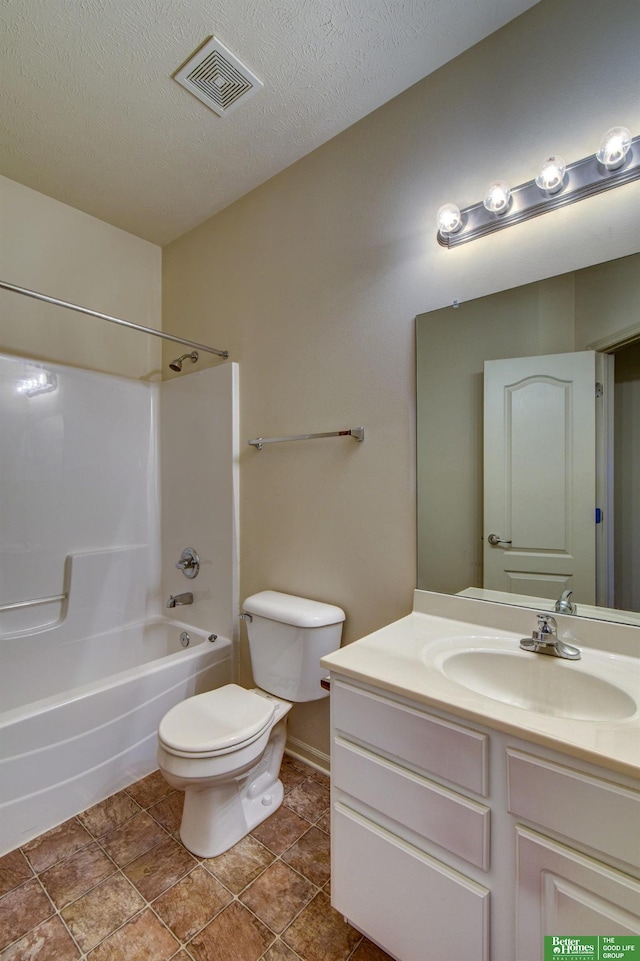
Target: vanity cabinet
point(393, 822)
point(452, 841)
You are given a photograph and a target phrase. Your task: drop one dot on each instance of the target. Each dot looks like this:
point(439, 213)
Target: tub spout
point(177, 600)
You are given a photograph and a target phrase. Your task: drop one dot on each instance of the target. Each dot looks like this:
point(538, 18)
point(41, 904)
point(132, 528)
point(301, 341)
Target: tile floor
point(116, 884)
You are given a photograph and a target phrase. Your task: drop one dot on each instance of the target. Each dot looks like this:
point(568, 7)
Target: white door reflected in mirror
point(540, 475)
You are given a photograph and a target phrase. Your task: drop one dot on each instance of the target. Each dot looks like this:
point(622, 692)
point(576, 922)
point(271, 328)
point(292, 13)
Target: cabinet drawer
point(436, 813)
point(447, 750)
point(594, 812)
point(410, 902)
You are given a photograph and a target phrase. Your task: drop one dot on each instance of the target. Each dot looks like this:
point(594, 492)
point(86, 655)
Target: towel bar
point(355, 432)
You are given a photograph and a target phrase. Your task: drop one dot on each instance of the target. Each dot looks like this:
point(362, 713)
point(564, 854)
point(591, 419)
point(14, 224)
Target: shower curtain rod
point(113, 320)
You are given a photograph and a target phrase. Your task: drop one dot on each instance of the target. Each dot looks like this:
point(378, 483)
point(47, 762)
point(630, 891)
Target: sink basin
point(536, 682)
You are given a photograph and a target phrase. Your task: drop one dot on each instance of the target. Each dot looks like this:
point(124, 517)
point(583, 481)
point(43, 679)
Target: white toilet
point(224, 748)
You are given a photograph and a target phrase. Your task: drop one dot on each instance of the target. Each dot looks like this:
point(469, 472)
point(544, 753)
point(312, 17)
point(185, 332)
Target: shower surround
point(92, 468)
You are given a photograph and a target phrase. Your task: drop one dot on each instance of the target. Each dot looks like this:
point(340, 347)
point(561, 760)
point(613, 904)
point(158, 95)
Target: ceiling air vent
point(217, 78)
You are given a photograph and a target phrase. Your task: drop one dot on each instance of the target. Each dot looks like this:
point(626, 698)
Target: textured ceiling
point(90, 114)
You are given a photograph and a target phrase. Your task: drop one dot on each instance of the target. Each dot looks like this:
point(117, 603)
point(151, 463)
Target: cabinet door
point(412, 905)
point(562, 892)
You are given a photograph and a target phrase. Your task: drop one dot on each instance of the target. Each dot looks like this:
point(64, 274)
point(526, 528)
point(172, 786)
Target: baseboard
point(304, 752)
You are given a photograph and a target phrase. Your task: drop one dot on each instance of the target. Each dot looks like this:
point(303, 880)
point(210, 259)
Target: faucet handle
point(189, 563)
point(547, 626)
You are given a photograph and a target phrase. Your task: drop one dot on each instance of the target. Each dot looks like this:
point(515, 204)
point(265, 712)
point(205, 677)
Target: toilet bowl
point(224, 748)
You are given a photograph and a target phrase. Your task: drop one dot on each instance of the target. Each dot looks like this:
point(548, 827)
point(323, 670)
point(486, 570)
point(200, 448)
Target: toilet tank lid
point(289, 609)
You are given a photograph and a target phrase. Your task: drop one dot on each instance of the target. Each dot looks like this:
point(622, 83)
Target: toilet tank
point(287, 637)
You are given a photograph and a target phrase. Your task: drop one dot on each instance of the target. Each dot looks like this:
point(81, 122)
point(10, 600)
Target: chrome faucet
point(564, 604)
point(177, 600)
point(546, 641)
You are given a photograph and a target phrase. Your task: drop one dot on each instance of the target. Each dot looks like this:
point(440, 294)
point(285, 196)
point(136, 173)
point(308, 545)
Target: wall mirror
point(515, 448)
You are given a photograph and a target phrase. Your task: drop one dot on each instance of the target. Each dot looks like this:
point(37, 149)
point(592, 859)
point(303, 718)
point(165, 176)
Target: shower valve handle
point(189, 563)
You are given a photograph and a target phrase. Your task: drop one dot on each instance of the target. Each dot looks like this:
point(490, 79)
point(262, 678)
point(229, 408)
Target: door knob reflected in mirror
point(495, 539)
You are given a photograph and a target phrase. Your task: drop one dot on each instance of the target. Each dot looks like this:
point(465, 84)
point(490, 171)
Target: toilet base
point(258, 809)
point(217, 816)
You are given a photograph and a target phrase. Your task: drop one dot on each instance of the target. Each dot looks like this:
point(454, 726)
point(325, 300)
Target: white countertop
point(405, 658)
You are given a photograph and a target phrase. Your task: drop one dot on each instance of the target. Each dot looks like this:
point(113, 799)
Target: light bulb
point(614, 147)
point(449, 219)
point(551, 174)
point(497, 197)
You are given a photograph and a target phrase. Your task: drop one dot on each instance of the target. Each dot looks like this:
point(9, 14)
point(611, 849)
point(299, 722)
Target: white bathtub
point(89, 728)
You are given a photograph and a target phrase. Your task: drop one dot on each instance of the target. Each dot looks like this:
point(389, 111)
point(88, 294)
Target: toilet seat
point(216, 722)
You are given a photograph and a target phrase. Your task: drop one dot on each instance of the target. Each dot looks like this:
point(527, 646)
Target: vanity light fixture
point(557, 184)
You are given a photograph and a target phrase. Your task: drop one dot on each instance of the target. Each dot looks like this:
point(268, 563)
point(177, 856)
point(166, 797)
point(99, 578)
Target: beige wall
point(56, 250)
point(313, 282)
point(607, 303)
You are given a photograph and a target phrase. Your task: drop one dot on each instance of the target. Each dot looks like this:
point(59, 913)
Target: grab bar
point(33, 603)
point(355, 432)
